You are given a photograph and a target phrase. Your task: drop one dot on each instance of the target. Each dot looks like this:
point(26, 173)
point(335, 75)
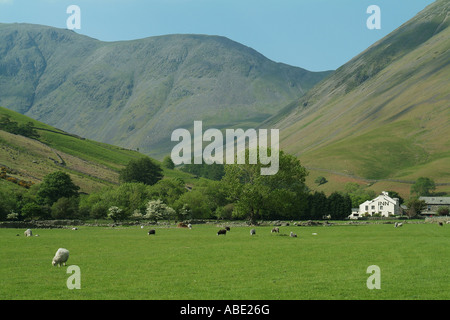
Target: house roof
point(436, 200)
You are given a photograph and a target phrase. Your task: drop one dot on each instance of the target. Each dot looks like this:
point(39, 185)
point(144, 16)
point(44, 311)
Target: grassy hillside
point(92, 165)
point(135, 93)
point(384, 114)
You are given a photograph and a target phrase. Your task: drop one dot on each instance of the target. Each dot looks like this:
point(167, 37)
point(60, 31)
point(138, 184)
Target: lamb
point(61, 257)
point(222, 231)
point(252, 232)
point(152, 231)
point(293, 235)
point(276, 229)
point(28, 233)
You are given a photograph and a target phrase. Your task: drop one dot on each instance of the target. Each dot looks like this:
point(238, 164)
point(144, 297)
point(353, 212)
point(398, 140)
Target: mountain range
point(382, 119)
point(135, 93)
point(384, 116)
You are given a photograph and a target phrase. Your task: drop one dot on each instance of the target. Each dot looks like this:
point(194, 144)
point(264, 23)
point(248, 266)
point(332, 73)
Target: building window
point(373, 207)
point(381, 207)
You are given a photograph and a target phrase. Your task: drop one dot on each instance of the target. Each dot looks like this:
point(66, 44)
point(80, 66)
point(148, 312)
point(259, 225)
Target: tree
point(65, 208)
point(116, 213)
point(339, 206)
point(56, 185)
point(168, 163)
point(415, 206)
point(157, 210)
point(141, 170)
point(320, 180)
point(255, 195)
point(423, 187)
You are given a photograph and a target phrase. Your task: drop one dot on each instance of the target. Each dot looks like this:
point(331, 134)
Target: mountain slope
point(135, 93)
point(92, 165)
point(383, 115)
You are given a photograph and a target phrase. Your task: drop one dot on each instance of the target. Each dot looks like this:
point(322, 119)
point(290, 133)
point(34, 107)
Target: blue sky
point(312, 34)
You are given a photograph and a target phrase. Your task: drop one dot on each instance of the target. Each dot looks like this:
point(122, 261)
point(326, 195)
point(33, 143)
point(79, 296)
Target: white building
point(383, 205)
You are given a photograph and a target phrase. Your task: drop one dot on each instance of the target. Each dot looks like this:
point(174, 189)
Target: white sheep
point(61, 257)
point(398, 224)
point(252, 232)
point(293, 235)
point(28, 233)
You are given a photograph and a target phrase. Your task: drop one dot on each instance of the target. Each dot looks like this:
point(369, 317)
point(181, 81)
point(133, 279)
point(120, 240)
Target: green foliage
point(158, 210)
point(65, 208)
point(320, 180)
point(141, 170)
point(443, 211)
point(415, 207)
point(358, 194)
point(423, 187)
point(255, 195)
point(56, 185)
point(26, 130)
point(168, 163)
point(213, 171)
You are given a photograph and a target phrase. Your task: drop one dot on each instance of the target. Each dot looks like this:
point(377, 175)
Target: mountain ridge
point(384, 114)
point(135, 93)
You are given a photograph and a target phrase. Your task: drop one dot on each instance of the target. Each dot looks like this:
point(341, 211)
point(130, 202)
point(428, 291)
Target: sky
point(313, 34)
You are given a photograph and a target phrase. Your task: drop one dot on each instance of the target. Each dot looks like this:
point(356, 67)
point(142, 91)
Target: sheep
point(190, 226)
point(252, 232)
point(448, 222)
point(276, 229)
point(61, 257)
point(152, 231)
point(222, 231)
point(28, 233)
point(398, 224)
point(293, 235)
point(74, 228)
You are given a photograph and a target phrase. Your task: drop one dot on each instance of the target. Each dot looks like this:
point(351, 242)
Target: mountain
point(135, 93)
point(384, 115)
point(92, 165)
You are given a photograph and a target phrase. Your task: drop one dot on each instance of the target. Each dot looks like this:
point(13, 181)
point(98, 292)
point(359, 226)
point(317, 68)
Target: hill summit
point(135, 93)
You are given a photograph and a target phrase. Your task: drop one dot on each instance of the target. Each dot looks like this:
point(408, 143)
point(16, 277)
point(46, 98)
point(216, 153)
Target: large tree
point(141, 170)
point(255, 196)
point(423, 187)
point(56, 185)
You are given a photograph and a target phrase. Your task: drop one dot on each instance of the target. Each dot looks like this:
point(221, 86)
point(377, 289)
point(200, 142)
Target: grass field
point(125, 263)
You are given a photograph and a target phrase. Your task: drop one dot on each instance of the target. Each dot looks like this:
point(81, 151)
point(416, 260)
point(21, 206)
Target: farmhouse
point(383, 205)
point(434, 203)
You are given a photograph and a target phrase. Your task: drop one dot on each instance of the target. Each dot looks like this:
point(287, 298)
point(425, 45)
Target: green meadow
point(321, 263)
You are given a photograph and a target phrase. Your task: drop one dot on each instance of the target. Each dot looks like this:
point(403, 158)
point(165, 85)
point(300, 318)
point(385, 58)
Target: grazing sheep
point(276, 229)
point(293, 235)
point(74, 228)
point(152, 231)
point(61, 257)
point(448, 222)
point(28, 233)
point(222, 231)
point(190, 226)
point(252, 232)
point(398, 224)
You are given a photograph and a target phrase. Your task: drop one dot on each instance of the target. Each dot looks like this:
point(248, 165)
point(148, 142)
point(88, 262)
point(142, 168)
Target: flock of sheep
point(62, 254)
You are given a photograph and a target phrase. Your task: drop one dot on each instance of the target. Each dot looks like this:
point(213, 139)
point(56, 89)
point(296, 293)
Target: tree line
point(144, 194)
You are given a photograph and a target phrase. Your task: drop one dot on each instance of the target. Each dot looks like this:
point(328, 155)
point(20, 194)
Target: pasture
point(182, 264)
